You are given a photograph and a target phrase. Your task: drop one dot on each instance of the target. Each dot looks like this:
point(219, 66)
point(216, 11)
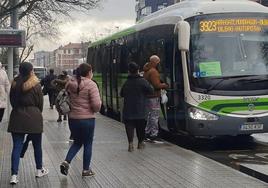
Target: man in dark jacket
point(151, 74)
point(134, 92)
point(48, 87)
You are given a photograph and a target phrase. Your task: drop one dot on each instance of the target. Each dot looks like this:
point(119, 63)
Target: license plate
point(249, 127)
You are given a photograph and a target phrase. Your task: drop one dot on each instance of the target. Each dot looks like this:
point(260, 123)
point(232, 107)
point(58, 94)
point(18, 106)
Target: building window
point(146, 11)
point(64, 51)
point(69, 51)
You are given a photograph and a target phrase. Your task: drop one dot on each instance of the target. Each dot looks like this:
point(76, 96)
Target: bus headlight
point(197, 114)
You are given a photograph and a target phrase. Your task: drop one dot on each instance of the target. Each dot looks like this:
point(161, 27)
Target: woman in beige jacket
point(4, 90)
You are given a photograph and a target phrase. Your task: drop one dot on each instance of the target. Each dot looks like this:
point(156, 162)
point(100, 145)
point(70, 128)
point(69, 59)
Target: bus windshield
point(229, 47)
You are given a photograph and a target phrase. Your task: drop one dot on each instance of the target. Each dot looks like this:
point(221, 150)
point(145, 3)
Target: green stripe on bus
point(241, 109)
point(232, 105)
point(113, 37)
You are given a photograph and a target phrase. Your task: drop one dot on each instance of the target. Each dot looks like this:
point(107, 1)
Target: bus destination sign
point(233, 25)
point(12, 38)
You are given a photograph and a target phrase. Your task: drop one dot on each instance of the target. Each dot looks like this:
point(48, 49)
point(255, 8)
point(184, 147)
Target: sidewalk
point(163, 165)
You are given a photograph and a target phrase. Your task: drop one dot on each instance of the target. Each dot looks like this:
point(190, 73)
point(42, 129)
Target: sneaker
point(64, 167)
point(141, 145)
point(14, 180)
point(41, 172)
point(130, 147)
point(59, 120)
point(157, 140)
point(88, 173)
point(147, 139)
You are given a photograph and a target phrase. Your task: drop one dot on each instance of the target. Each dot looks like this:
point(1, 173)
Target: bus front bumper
point(226, 125)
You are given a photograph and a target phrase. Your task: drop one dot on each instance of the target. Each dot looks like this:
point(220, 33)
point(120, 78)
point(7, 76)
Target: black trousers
point(52, 97)
point(2, 110)
point(139, 124)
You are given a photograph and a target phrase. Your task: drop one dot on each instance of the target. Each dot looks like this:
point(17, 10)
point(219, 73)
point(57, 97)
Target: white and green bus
point(214, 56)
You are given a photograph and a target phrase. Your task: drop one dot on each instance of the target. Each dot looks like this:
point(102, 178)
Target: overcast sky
point(113, 15)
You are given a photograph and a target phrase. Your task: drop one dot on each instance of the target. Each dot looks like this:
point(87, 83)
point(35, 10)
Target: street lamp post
point(13, 25)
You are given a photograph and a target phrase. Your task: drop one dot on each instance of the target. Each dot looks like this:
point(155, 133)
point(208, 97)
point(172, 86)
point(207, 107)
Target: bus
point(40, 72)
point(214, 56)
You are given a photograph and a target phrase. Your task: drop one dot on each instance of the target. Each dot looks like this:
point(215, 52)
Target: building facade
point(146, 7)
point(68, 57)
point(42, 58)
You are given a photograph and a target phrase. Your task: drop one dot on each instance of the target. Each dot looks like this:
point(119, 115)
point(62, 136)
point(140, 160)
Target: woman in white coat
point(4, 89)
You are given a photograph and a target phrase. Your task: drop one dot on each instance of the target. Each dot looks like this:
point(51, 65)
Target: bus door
point(104, 66)
point(111, 89)
point(109, 80)
point(170, 116)
point(165, 53)
point(178, 103)
point(115, 61)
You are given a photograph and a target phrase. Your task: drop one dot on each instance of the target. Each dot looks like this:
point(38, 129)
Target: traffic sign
point(12, 38)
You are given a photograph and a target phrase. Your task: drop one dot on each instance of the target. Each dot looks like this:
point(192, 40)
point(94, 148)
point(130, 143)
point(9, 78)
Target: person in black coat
point(134, 92)
point(48, 87)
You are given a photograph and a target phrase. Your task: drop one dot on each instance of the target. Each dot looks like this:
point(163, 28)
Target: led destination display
point(233, 25)
point(12, 38)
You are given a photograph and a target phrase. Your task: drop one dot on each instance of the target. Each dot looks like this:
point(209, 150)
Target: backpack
point(62, 102)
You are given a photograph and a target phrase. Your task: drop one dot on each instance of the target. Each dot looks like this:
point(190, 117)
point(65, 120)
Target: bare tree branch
point(26, 53)
point(38, 18)
point(61, 6)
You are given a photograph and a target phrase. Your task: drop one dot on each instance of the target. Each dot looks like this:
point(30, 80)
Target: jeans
point(2, 110)
point(82, 131)
point(25, 145)
point(71, 135)
point(18, 139)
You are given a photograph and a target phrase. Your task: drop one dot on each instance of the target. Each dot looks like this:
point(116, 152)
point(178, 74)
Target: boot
point(59, 119)
point(130, 147)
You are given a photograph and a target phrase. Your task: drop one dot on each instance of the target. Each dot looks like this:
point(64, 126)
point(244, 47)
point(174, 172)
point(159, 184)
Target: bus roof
point(186, 9)
point(191, 8)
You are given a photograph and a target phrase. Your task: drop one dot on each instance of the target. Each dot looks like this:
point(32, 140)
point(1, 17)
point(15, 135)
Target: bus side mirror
point(183, 29)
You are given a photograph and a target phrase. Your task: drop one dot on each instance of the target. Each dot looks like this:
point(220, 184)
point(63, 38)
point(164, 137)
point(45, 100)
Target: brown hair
point(82, 71)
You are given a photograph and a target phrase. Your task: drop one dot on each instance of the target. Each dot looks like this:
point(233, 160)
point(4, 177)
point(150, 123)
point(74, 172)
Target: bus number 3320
point(204, 97)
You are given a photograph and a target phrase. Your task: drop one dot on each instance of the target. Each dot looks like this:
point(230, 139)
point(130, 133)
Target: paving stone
point(164, 165)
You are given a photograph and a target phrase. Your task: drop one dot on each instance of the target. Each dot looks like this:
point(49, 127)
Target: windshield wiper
point(212, 87)
point(255, 80)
